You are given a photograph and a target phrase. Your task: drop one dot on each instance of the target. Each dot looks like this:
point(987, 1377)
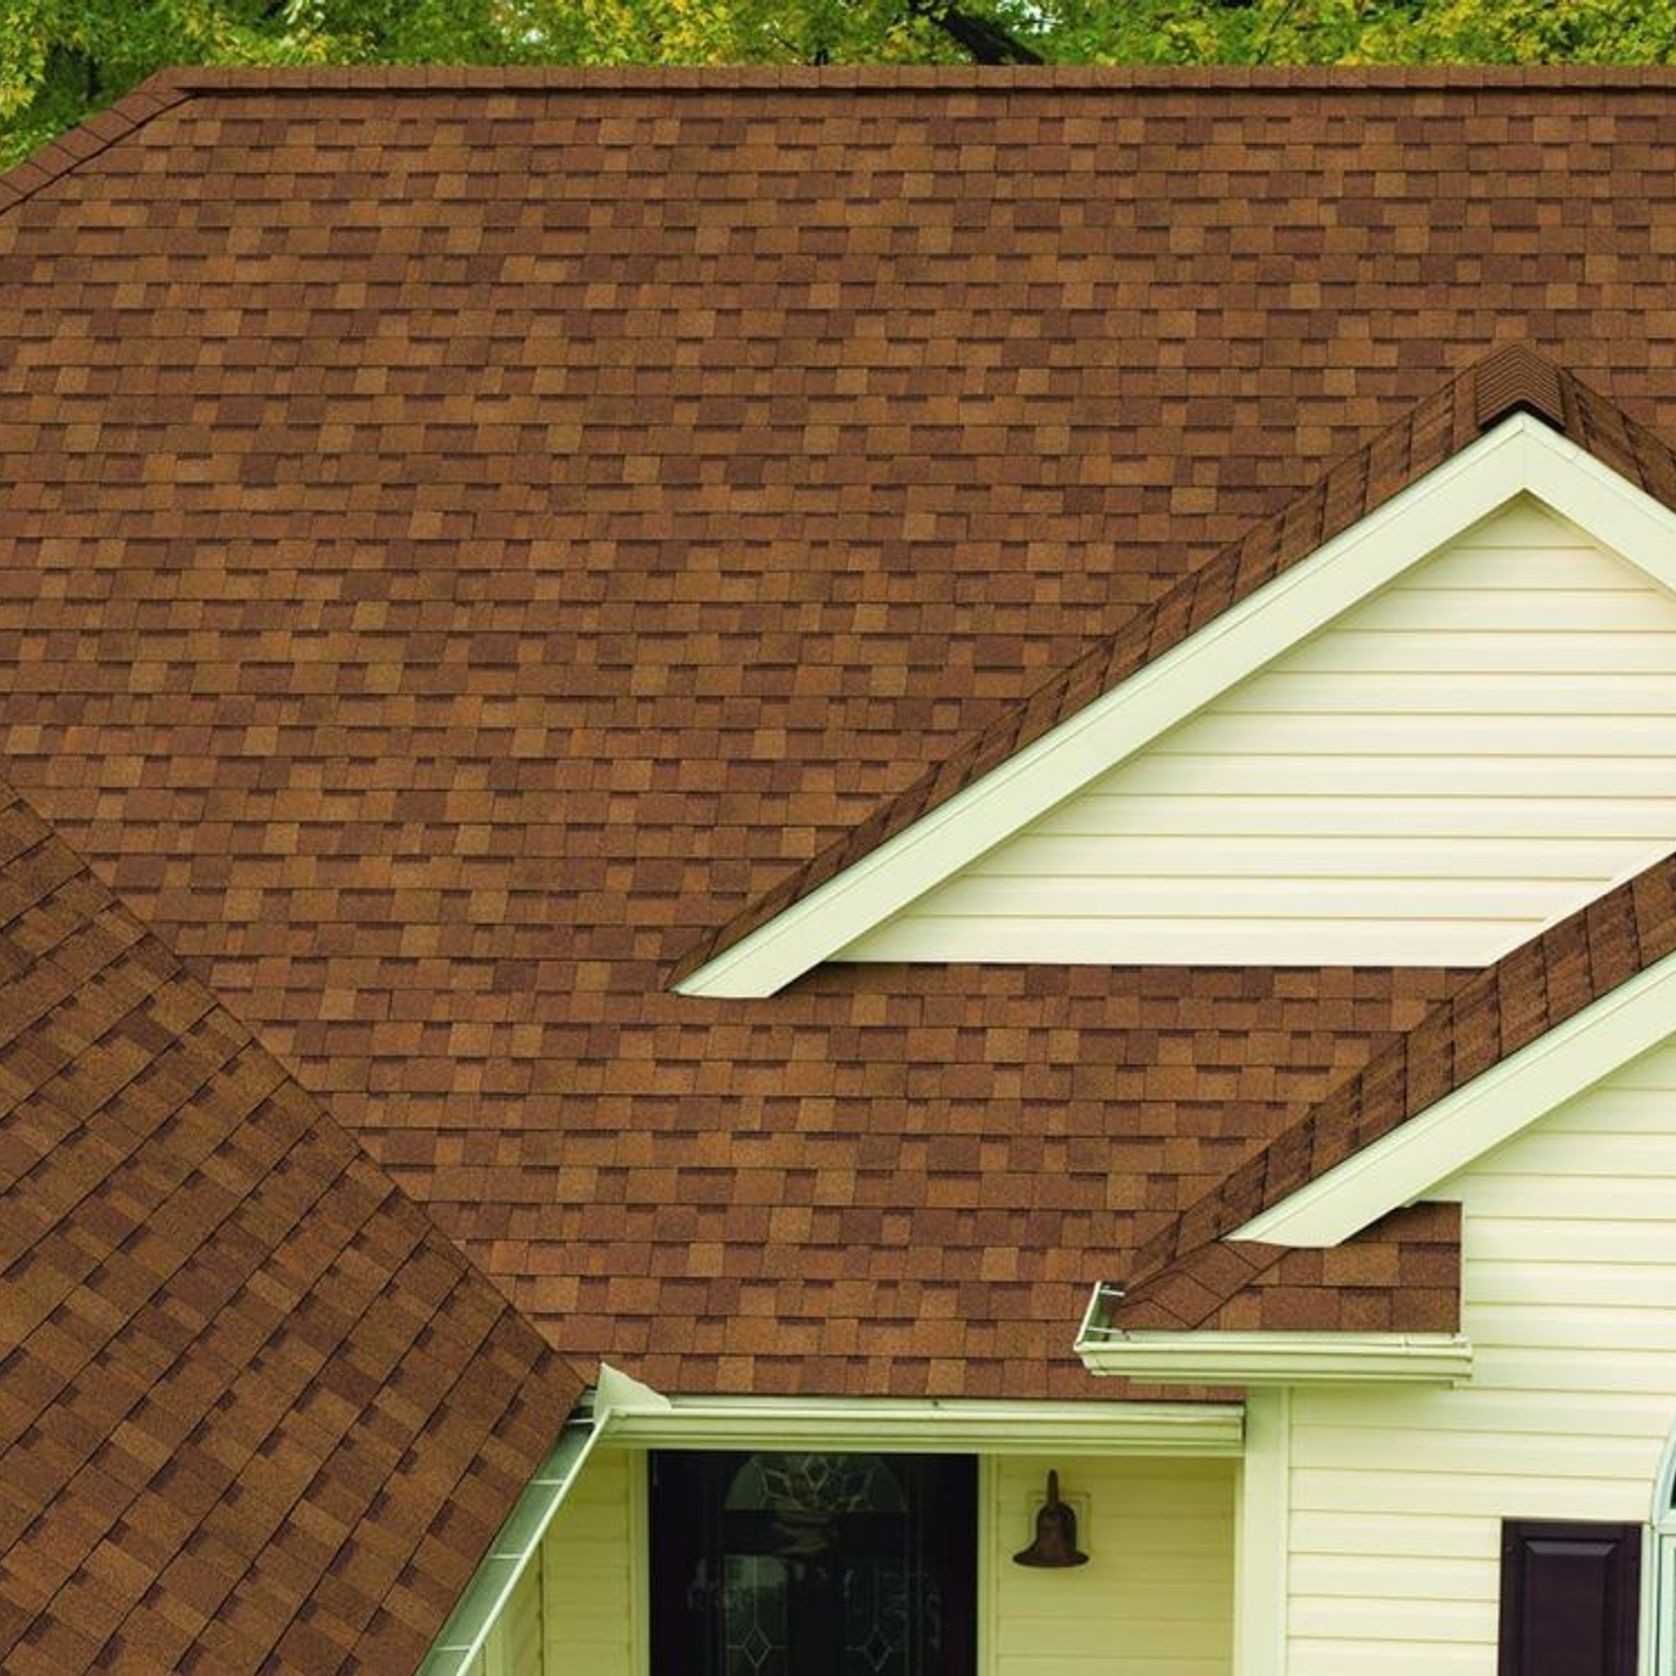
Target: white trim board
point(1262, 1544)
point(931, 1426)
point(1259, 1358)
point(1520, 456)
point(1410, 1162)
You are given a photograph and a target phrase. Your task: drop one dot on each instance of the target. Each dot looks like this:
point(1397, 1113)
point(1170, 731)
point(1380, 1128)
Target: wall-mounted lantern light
point(1056, 1534)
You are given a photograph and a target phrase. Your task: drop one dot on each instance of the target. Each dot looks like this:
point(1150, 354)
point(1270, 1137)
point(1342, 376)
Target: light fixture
point(1056, 1534)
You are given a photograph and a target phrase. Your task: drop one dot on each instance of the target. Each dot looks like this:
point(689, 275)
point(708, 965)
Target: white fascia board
point(931, 1426)
point(1622, 518)
point(1259, 1358)
point(1414, 1158)
point(1520, 456)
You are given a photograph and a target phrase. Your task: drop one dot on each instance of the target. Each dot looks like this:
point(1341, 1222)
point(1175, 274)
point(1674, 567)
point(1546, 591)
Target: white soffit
point(1521, 456)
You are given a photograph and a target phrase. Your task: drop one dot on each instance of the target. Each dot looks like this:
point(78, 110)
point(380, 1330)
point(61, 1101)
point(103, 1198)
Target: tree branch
point(984, 39)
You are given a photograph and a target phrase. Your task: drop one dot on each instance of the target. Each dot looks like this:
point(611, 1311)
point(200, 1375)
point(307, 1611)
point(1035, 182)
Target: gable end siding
point(1464, 758)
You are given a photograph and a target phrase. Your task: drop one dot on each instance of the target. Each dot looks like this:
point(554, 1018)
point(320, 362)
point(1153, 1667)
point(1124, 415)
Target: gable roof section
point(1383, 1306)
point(256, 1411)
point(1497, 1021)
point(739, 958)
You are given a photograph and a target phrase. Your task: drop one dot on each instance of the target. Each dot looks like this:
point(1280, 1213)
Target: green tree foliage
point(61, 59)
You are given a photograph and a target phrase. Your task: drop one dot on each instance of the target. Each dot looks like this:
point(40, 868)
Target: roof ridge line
point(90, 137)
point(849, 78)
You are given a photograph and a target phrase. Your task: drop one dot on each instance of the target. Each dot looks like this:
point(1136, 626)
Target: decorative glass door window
point(790, 1564)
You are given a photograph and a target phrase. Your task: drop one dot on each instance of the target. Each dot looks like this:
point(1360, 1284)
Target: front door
point(813, 1564)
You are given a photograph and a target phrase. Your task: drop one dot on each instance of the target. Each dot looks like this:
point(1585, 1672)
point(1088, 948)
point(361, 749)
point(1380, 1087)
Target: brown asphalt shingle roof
point(464, 536)
point(1401, 1275)
point(256, 1412)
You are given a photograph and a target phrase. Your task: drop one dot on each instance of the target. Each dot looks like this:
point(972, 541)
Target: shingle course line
point(307, 1250)
point(87, 140)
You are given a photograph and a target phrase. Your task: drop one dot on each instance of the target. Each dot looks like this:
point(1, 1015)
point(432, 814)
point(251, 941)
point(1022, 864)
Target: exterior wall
point(1569, 1286)
point(521, 1629)
point(593, 1573)
point(1479, 749)
point(1155, 1599)
point(1156, 1596)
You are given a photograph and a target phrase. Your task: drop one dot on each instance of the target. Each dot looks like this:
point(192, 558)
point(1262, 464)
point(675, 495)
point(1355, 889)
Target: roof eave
point(1273, 1358)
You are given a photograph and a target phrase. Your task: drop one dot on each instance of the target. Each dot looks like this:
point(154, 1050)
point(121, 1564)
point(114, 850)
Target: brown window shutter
point(1570, 1598)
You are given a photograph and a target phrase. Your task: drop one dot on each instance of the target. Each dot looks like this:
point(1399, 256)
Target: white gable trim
point(1410, 1162)
point(1520, 456)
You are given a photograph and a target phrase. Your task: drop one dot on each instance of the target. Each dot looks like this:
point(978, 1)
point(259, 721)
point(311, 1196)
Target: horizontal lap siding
point(1473, 753)
point(593, 1571)
point(1156, 1598)
point(1569, 1289)
point(1157, 1593)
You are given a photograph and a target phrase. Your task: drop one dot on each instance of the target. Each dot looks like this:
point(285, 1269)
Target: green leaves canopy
point(61, 59)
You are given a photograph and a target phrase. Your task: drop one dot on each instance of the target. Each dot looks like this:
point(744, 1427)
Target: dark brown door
point(1570, 1599)
point(813, 1564)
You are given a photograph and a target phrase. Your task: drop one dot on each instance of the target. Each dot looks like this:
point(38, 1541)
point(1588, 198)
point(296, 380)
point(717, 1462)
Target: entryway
point(784, 1564)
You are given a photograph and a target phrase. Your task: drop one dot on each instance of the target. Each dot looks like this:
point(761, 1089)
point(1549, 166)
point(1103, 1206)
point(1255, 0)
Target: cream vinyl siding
point(520, 1628)
point(1155, 1599)
point(593, 1573)
point(1569, 1286)
point(1472, 753)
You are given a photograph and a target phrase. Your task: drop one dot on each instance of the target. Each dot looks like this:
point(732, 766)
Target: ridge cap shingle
point(890, 78)
point(94, 134)
point(1400, 1274)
